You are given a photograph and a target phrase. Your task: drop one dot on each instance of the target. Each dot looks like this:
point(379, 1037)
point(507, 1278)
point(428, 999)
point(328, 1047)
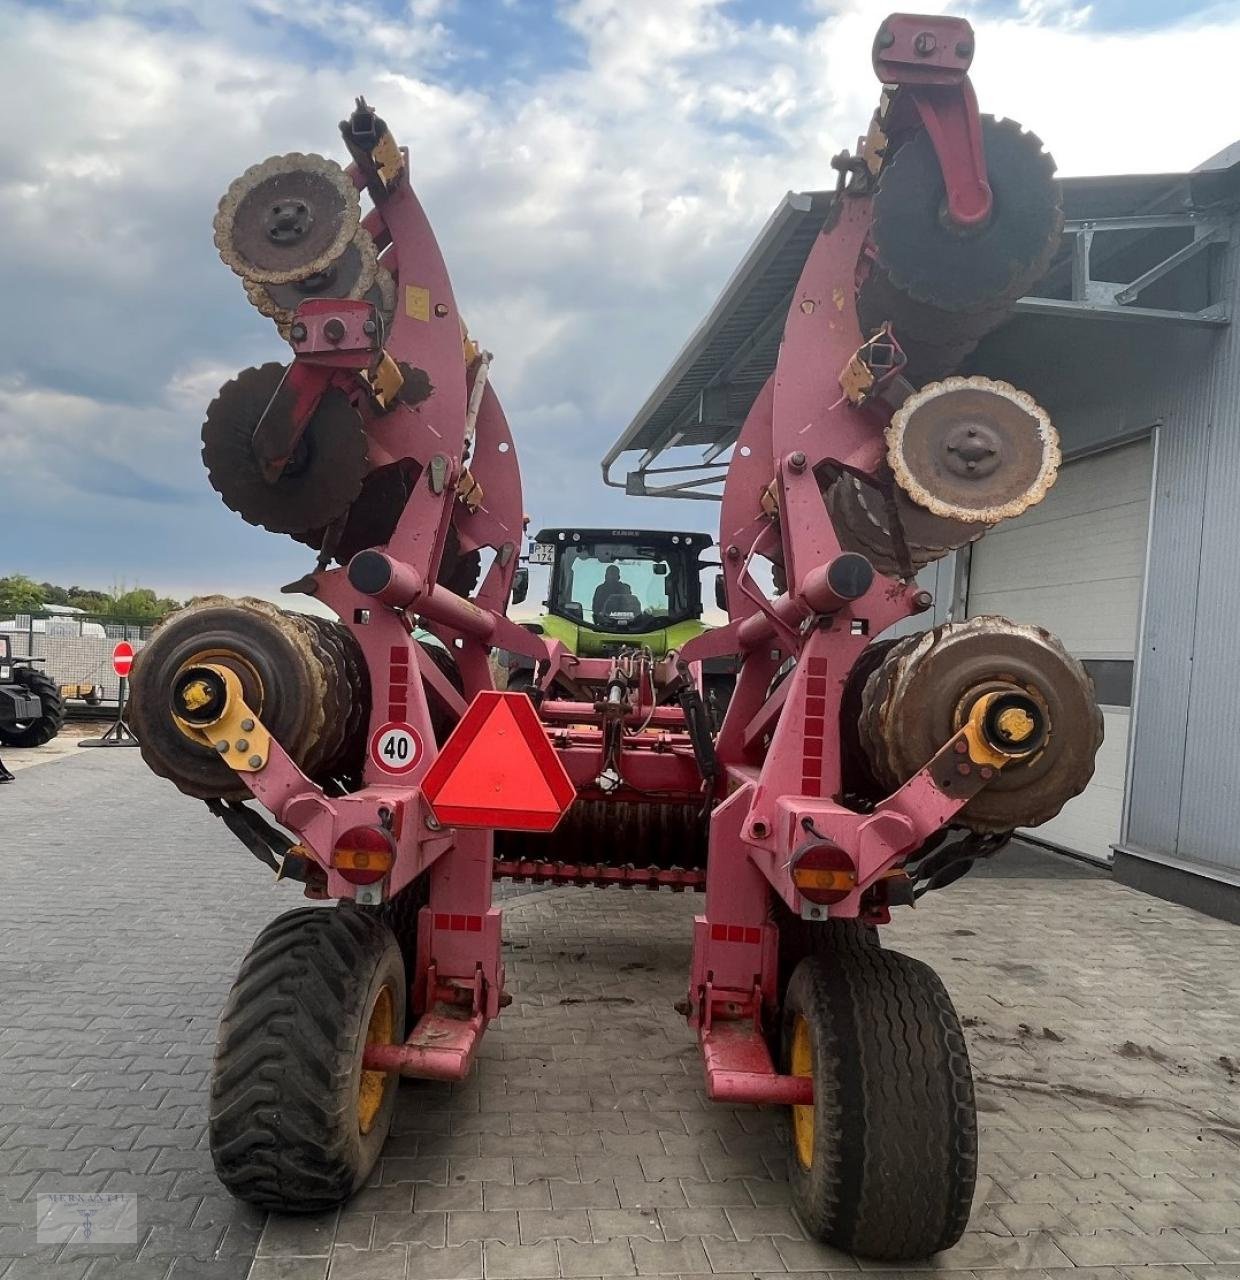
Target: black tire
point(51, 717)
point(284, 1116)
point(894, 1127)
point(973, 271)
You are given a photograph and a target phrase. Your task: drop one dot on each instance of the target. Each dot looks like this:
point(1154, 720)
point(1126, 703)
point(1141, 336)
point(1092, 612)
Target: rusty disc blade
point(286, 218)
point(349, 276)
point(973, 449)
point(920, 695)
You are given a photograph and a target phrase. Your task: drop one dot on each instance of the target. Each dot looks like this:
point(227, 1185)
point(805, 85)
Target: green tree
point(19, 594)
point(53, 594)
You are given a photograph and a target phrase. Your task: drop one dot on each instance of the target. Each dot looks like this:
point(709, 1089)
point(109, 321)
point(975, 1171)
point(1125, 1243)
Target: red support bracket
point(735, 1054)
point(929, 57)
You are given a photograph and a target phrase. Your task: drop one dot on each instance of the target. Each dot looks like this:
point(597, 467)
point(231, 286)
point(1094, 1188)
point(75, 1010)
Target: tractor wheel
point(295, 1124)
point(51, 718)
point(883, 1162)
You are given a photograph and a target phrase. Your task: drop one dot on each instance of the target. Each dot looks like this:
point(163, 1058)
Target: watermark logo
point(87, 1217)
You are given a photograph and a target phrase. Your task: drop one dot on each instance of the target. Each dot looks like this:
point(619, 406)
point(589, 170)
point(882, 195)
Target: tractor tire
point(51, 719)
point(883, 1162)
point(295, 1124)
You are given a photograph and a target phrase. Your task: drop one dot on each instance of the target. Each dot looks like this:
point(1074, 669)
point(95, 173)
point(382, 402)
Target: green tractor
point(614, 589)
point(617, 589)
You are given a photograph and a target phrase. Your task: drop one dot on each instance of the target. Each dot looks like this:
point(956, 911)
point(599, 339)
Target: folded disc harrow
point(849, 774)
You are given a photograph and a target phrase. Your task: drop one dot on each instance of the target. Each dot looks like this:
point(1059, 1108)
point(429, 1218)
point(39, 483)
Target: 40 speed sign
point(395, 747)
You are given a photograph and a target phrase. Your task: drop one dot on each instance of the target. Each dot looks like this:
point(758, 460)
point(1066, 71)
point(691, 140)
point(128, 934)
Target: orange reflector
point(497, 769)
point(364, 855)
point(824, 874)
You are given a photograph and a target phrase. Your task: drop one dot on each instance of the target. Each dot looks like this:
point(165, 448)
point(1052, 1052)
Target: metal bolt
point(432, 822)
point(734, 553)
point(256, 762)
point(922, 601)
point(885, 39)
point(970, 466)
point(333, 330)
point(964, 770)
point(964, 49)
point(222, 748)
point(759, 830)
point(796, 461)
point(441, 309)
point(242, 745)
point(988, 773)
point(247, 725)
point(369, 327)
point(925, 43)
point(298, 333)
point(961, 747)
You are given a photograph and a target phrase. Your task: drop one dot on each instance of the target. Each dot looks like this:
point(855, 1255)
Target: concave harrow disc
point(286, 218)
point(973, 449)
point(931, 261)
point(303, 676)
point(324, 474)
point(864, 520)
point(349, 276)
point(920, 695)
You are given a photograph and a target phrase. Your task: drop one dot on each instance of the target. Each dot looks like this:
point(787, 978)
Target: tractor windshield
point(625, 587)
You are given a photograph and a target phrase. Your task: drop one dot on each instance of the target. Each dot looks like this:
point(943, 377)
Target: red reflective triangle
point(497, 769)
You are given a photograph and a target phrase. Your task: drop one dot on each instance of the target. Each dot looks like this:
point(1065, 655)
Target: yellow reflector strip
point(362, 860)
point(824, 878)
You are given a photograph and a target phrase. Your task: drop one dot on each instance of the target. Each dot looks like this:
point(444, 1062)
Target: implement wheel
point(296, 1125)
point(883, 1163)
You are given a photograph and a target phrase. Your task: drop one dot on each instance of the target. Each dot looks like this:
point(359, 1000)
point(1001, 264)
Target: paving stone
point(679, 1257)
point(681, 1224)
point(287, 1269)
point(520, 1262)
point(300, 1237)
point(461, 1262)
point(409, 1228)
point(613, 1258)
point(381, 1264)
point(550, 1224)
point(613, 1224)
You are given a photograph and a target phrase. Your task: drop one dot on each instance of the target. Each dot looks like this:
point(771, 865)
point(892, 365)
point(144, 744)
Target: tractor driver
point(613, 596)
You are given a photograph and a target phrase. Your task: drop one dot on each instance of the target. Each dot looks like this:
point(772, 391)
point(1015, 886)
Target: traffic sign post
point(497, 769)
point(119, 734)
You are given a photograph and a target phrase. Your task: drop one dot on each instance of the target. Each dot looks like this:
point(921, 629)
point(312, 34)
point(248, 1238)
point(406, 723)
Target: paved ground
point(1104, 1026)
point(64, 744)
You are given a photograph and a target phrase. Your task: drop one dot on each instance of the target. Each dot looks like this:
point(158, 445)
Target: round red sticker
point(122, 658)
point(395, 747)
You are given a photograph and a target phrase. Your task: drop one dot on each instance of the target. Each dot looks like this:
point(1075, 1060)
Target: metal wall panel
point(1103, 382)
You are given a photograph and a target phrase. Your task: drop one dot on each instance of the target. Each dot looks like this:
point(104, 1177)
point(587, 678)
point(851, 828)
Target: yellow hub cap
point(380, 1030)
point(802, 1064)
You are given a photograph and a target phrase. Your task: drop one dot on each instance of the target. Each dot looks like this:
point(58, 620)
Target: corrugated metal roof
point(738, 342)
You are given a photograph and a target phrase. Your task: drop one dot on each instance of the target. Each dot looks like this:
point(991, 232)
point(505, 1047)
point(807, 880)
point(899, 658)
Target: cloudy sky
point(594, 169)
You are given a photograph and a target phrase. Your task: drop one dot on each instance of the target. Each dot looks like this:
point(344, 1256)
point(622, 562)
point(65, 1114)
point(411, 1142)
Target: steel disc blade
point(973, 449)
point(349, 276)
point(287, 218)
point(974, 270)
point(324, 476)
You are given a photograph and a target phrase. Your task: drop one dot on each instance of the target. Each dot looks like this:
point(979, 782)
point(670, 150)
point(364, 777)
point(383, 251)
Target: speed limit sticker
point(395, 747)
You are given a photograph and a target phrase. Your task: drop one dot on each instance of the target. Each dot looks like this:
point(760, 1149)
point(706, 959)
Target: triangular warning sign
point(497, 769)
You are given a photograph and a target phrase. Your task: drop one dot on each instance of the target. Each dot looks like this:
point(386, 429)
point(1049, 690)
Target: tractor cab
point(613, 589)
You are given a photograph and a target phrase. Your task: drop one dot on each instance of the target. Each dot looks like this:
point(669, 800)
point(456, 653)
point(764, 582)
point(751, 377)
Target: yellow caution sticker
point(417, 302)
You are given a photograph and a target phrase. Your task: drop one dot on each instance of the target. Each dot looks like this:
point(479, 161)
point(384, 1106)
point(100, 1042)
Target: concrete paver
point(1104, 1029)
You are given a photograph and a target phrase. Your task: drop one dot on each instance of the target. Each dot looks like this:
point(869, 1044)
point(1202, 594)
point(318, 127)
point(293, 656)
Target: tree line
point(20, 594)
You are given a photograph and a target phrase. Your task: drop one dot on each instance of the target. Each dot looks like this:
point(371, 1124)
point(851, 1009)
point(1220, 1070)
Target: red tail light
point(824, 874)
point(364, 855)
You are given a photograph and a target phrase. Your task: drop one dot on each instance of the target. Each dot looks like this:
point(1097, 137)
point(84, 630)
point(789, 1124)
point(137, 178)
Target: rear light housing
point(823, 874)
point(364, 855)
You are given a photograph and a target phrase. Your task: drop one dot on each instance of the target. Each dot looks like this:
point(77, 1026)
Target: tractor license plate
point(542, 553)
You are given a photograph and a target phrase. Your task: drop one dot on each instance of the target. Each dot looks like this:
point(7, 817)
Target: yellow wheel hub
point(802, 1064)
point(380, 1030)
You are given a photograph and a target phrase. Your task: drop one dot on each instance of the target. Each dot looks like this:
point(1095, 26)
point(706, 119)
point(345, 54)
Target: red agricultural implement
point(851, 774)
